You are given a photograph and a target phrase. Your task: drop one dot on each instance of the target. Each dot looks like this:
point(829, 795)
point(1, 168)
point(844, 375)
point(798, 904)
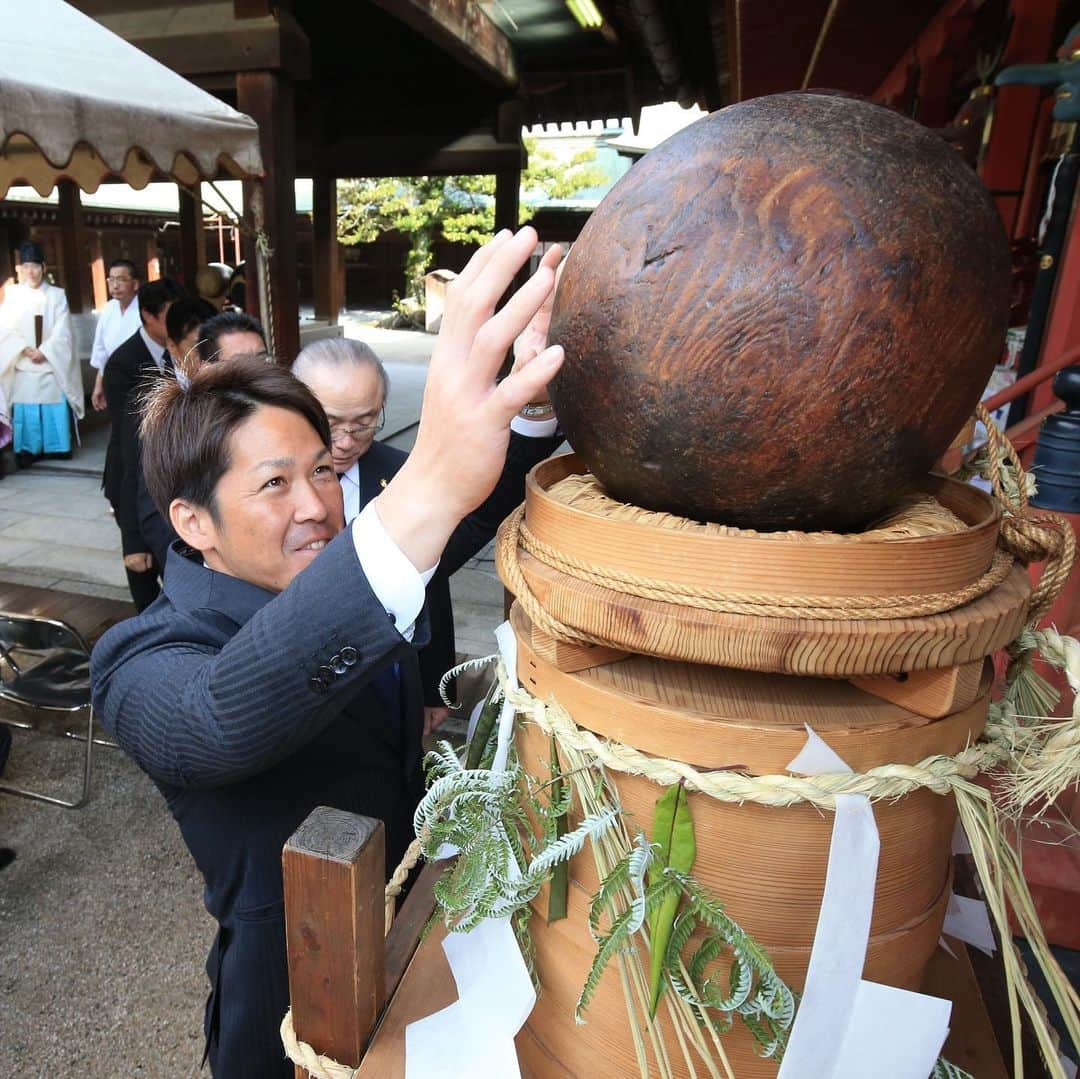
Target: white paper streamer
point(967, 920)
point(847, 1028)
point(474, 1036)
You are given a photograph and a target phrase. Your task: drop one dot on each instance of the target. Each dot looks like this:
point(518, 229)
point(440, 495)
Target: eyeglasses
point(119, 280)
point(339, 433)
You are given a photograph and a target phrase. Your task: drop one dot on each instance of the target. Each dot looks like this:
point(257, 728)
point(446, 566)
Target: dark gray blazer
point(248, 710)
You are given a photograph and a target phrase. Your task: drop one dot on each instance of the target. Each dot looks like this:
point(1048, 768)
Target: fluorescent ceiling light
point(586, 13)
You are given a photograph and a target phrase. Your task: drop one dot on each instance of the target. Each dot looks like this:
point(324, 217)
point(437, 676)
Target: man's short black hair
point(221, 326)
point(124, 264)
point(185, 315)
point(186, 428)
point(154, 296)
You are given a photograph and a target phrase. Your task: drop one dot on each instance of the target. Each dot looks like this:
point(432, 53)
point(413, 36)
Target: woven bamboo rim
point(1025, 535)
point(937, 539)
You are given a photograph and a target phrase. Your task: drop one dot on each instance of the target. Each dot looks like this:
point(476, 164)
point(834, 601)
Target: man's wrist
point(417, 513)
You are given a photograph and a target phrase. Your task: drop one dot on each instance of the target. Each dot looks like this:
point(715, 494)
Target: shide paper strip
point(968, 920)
point(845, 1027)
point(475, 1035)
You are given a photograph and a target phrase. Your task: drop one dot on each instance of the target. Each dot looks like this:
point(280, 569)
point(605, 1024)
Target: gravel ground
point(102, 928)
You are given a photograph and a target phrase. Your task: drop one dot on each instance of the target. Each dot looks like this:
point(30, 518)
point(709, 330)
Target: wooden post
point(267, 97)
point(334, 872)
point(191, 238)
point(97, 270)
point(71, 243)
point(325, 247)
point(508, 183)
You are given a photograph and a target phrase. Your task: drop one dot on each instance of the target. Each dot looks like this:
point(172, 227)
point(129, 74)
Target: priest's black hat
point(31, 252)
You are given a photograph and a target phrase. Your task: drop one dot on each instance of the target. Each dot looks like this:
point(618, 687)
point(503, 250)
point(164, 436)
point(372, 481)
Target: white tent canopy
point(78, 102)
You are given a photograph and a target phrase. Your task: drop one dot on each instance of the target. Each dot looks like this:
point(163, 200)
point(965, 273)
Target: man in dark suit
point(263, 683)
point(352, 386)
point(129, 374)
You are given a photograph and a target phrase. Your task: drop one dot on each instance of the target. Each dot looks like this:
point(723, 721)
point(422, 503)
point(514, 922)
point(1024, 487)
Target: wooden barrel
point(765, 865)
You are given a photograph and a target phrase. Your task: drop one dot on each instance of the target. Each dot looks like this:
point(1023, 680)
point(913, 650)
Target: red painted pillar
point(1016, 108)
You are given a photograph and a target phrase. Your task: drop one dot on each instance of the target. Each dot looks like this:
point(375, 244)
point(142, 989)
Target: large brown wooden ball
point(782, 315)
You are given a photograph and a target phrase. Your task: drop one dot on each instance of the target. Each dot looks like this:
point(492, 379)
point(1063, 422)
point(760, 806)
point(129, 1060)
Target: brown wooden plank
point(426, 987)
point(929, 693)
point(404, 936)
point(333, 868)
point(462, 29)
point(972, 1044)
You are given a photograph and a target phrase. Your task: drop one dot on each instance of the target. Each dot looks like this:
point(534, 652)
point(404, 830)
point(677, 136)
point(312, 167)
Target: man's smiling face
point(278, 503)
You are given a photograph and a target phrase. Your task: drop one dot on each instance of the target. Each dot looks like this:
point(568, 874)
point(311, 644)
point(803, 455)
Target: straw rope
point(400, 875)
point(1038, 536)
point(301, 1054)
point(763, 604)
point(1026, 535)
point(939, 773)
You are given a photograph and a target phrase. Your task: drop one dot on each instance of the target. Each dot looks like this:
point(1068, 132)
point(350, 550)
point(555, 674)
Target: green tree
point(460, 209)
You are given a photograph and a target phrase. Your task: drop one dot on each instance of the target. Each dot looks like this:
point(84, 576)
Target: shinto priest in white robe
point(23, 382)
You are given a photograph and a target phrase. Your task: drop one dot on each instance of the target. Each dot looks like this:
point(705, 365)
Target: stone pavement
point(102, 927)
point(57, 531)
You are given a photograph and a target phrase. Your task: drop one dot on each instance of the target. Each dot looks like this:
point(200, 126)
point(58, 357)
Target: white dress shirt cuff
point(397, 584)
point(534, 428)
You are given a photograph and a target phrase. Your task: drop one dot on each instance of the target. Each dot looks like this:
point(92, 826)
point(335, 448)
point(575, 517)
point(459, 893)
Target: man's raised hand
point(465, 423)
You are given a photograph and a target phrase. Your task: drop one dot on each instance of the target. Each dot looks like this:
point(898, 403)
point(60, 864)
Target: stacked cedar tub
point(721, 690)
point(774, 325)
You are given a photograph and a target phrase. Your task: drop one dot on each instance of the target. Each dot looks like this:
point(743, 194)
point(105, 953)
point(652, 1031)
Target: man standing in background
point(118, 320)
point(39, 370)
point(131, 370)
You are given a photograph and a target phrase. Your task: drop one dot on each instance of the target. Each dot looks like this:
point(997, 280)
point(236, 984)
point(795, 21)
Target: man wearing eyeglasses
point(118, 320)
point(352, 386)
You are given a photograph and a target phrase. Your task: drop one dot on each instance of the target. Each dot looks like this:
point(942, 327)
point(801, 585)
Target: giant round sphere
point(781, 316)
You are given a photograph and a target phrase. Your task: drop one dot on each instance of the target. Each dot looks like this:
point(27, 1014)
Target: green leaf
point(485, 724)
point(673, 840)
point(560, 878)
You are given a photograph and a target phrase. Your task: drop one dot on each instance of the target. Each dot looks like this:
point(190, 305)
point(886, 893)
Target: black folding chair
point(45, 666)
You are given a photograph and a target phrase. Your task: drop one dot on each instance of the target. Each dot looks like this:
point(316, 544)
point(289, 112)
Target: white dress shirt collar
point(350, 489)
point(157, 352)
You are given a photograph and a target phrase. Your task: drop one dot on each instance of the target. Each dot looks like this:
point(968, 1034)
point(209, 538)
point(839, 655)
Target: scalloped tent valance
point(79, 102)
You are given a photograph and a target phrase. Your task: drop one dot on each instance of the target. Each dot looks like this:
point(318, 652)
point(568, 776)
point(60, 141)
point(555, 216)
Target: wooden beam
point(72, 243)
point(198, 39)
point(267, 97)
point(411, 155)
point(462, 29)
point(191, 234)
point(334, 873)
point(326, 257)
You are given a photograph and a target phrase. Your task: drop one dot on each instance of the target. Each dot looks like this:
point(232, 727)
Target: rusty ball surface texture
point(781, 316)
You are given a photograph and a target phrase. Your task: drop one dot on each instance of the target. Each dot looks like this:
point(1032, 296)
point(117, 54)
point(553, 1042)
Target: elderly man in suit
point(129, 373)
point(263, 683)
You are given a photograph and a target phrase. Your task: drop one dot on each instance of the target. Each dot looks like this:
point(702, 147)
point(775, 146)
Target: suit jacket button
point(349, 656)
point(317, 685)
point(327, 674)
point(339, 664)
